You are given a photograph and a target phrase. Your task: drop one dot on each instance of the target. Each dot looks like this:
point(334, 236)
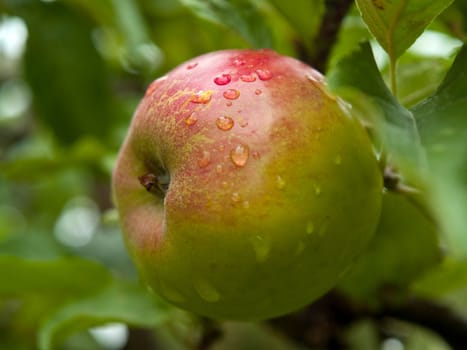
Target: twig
point(334, 14)
point(393, 182)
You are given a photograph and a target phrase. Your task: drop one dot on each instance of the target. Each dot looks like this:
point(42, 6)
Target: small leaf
point(443, 129)
point(242, 16)
point(418, 77)
point(390, 259)
point(358, 74)
point(120, 302)
point(396, 24)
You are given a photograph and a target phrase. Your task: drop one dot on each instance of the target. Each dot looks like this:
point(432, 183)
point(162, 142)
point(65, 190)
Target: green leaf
point(67, 76)
point(141, 52)
point(418, 77)
point(443, 129)
point(242, 16)
point(124, 21)
point(120, 302)
point(31, 165)
point(31, 246)
point(38, 278)
point(353, 31)
point(391, 260)
point(56, 279)
point(357, 79)
point(302, 15)
point(448, 277)
point(396, 24)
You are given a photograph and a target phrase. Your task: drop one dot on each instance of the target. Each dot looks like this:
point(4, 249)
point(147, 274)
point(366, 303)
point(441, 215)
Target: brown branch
point(334, 13)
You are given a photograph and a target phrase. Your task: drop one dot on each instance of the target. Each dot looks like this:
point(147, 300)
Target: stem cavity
point(156, 184)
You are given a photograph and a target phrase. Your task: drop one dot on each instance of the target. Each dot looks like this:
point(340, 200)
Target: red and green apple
point(245, 188)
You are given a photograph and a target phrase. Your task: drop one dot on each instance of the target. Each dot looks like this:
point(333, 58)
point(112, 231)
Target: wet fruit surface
point(270, 189)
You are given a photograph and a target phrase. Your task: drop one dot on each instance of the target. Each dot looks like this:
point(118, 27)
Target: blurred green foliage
point(71, 75)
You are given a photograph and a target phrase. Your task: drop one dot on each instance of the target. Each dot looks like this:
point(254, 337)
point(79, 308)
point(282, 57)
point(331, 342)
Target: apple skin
point(250, 220)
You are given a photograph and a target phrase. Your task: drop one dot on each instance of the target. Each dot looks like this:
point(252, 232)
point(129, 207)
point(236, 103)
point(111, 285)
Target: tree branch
point(334, 13)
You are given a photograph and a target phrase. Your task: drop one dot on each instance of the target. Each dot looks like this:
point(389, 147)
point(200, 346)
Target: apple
point(245, 188)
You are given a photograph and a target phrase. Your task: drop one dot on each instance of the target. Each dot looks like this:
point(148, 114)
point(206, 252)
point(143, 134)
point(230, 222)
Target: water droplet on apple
point(231, 94)
point(224, 123)
point(201, 97)
point(206, 290)
point(239, 155)
point(221, 148)
point(235, 197)
point(310, 227)
point(171, 294)
point(248, 78)
point(300, 248)
point(242, 122)
point(228, 103)
point(191, 119)
point(323, 229)
point(338, 160)
point(321, 85)
point(264, 74)
point(246, 204)
point(192, 65)
point(280, 182)
point(317, 189)
point(256, 155)
point(258, 92)
point(238, 62)
point(204, 160)
point(223, 79)
point(315, 76)
point(344, 272)
point(261, 246)
point(219, 168)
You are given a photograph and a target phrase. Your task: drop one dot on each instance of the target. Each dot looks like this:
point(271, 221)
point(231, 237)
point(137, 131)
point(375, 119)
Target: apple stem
point(148, 181)
point(155, 184)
